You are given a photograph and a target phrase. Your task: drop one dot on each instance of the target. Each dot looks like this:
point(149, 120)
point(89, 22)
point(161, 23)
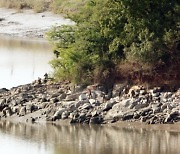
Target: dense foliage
point(113, 32)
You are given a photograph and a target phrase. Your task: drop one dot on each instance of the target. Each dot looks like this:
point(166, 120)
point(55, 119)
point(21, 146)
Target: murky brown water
point(22, 61)
point(80, 139)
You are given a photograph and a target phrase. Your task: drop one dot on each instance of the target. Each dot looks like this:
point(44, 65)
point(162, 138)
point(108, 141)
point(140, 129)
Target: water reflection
point(22, 61)
point(79, 139)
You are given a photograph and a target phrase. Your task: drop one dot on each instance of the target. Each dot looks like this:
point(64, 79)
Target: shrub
point(110, 32)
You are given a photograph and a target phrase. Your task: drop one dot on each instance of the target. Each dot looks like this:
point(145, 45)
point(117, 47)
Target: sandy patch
point(28, 23)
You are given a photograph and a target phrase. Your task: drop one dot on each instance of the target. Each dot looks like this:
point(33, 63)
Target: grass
point(36, 5)
point(57, 6)
point(66, 6)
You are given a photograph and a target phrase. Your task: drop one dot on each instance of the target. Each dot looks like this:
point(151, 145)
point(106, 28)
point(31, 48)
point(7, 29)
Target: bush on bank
point(112, 33)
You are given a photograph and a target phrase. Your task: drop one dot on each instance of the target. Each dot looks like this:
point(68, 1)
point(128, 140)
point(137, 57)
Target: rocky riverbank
point(44, 100)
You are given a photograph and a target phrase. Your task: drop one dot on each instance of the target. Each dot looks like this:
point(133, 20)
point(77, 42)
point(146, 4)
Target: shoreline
point(46, 101)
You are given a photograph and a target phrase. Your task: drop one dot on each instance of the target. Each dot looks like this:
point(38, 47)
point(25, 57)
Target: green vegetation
point(67, 6)
point(115, 39)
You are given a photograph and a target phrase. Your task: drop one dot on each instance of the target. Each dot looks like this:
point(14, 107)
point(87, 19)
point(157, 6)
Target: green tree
point(111, 31)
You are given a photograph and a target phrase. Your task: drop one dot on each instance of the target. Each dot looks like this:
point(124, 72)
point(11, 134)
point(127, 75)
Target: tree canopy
point(111, 32)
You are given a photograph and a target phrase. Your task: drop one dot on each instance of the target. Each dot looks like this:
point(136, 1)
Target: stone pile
point(60, 101)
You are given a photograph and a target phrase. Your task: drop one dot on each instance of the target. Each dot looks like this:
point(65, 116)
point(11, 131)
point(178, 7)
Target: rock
point(163, 107)
point(72, 97)
point(22, 111)
point(43, 98)
point(31, 108)
point(86, 106)
point(14, 103)
point(54, 100)
point(136, 116)
point(140, 106)
point(96, 120)
point(80, 103)
point(108, 106)
point(2, 104)
point(2, 101)
point(143, 119)
point(94, 113)
point(142, 92)
point(145, 111)
point(15, 109)
point(23, 96)
point(133, 103)
point(167, 95)
point(55, 95)
point(125, 103)
point(2, 90)
point(172, 116)
point(64, 115)
point(62, 96)
point(157, 94)
point(81, 118)
point(170, 106)
point(156, 109)
point(58, 114)
point(83, 97)
point(94, 102)
point(7, 111)
point(73, 115)
point(128, 116)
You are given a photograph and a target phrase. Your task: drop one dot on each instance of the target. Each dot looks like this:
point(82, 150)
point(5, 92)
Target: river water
point(23, 60)
point(19, 138)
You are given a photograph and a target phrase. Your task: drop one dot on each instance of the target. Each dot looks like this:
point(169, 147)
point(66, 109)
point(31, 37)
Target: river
point(23, 60)
point(19, 138)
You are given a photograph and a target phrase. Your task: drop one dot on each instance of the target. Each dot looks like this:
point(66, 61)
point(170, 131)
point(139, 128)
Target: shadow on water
point(82, 139)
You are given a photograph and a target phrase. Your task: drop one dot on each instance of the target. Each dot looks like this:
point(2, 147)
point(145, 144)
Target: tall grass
point(57, 6)
point(36, 5)
point(66, 6)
